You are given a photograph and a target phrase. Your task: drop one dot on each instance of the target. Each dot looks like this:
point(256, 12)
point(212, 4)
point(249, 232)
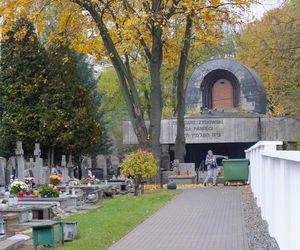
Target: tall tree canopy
point(41, 97)
point(130, 31)
point(271, 46)
point(23, 73)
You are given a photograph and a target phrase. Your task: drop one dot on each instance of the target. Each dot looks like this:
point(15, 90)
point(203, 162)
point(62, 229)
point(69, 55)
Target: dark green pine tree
point(88, 78)
point(22, 74)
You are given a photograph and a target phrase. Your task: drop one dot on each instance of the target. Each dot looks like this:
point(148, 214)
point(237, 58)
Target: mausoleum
point(225, 112)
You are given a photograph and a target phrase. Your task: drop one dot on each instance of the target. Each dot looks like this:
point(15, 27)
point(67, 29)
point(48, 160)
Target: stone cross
point(101, 164)
point(38, 165)
point(20, 161)
point(64, 170)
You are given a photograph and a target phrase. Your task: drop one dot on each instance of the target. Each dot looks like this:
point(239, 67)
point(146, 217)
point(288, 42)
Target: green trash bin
point(235, 170)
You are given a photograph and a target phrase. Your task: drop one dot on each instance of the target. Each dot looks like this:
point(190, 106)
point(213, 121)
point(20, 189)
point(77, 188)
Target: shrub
point(139, 162)
point(49, 190)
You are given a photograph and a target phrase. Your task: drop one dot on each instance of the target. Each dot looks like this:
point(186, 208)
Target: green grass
point(98, 229)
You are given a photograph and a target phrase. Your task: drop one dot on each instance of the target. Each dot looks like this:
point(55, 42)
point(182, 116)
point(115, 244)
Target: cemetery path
point(204, 218)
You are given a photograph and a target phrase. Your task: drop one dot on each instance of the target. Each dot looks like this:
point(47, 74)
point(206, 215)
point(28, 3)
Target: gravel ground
point(257, 228)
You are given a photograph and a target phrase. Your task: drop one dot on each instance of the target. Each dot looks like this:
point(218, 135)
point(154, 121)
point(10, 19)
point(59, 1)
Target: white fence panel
point(275, 182)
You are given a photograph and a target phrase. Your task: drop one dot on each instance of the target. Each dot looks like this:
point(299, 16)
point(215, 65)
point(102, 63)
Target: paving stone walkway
point(205, 218)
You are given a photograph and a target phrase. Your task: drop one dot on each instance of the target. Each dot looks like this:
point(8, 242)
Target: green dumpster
point(235, 170)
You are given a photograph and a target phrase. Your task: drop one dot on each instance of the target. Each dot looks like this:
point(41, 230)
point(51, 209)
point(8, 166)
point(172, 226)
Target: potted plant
point(19, 188)
point(48, 191)
point(55, 179)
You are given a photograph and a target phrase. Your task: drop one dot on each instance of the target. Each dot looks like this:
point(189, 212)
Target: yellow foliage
point(129, 25)
point(139, 162)
point(271, 47)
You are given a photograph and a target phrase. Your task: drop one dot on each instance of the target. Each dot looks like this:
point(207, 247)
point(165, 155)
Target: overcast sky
point(258, 10)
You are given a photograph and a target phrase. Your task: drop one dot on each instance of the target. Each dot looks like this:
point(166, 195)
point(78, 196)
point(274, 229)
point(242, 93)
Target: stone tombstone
point(175, 166)
point(115, 163)
point(63, 161)
point(38, 165)
point(70, 166)
point(11, 167)
point(2, 171)
point(165, 161)
point(89, 162)
point(184, 167)
point(101, 164)
point(20, 161)
point(70, 162)
point(84, 167)
point(45, 175)
point(64, 170)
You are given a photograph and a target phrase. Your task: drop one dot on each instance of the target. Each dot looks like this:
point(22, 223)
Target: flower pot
point(20, 194)
point(36, 193)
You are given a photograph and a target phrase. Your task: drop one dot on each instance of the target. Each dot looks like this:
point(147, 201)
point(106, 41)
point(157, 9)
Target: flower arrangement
point(55, 179)
point(49, 190)
point(18, 186)
point(29, 180)
point(87, 180)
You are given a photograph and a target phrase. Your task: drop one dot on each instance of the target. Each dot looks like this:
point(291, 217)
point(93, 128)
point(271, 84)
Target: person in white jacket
point(211, 163)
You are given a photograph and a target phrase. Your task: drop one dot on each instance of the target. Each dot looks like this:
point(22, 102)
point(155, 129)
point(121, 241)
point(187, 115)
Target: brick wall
point(222, 95)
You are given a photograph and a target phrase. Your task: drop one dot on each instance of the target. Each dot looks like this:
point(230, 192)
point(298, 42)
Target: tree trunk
point(180, 138)
point(156, 95)
point(52, 156)
point(125, 78)
point(49, 157)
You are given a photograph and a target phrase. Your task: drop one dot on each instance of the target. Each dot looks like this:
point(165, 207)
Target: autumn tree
point(88, 77)
point(271, 46)
point(131, 31)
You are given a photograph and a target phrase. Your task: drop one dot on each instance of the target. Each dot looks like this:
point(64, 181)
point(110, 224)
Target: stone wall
point(224, 130)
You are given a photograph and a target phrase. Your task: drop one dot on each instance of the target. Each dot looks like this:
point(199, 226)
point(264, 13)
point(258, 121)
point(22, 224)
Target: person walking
point(211, 163)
